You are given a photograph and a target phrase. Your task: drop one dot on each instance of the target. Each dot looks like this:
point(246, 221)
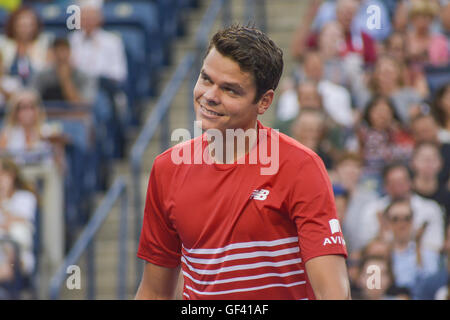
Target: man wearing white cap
point(96, 51)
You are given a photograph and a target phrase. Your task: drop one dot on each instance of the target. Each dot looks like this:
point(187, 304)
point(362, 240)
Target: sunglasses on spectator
point(396, 219)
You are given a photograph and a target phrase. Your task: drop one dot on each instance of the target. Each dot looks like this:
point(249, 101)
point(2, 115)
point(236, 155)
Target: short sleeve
point(312, 208)
point(159, 242)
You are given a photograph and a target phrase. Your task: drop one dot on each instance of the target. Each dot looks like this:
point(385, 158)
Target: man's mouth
point(210, 112)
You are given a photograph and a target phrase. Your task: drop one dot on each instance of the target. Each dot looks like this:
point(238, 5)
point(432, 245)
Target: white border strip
point(259, 276)
point(247, 289)
point(246, 255)
point(242, 266)
point(243, 245)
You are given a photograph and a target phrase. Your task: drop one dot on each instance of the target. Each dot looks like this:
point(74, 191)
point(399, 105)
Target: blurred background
point(91, 90)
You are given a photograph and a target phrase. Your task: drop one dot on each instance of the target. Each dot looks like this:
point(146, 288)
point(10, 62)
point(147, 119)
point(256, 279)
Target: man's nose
point(211, 96)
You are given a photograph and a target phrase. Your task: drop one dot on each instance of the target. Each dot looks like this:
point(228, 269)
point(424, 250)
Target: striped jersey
point(237, 233)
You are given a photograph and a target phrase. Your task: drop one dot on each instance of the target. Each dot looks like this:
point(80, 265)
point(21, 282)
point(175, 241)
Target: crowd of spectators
point(373, 101)
point(41, 69)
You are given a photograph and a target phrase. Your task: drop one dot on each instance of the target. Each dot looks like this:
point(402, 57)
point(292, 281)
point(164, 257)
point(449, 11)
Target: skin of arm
point(328, 277)
point(158, 283)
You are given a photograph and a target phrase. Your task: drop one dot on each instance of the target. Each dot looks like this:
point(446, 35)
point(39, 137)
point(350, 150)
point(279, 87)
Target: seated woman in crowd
point(26, 136)
point(396, 47)
point(24, 48)
point(426, 164)
point(18, 205)
point(387, 80)
point(382, 139)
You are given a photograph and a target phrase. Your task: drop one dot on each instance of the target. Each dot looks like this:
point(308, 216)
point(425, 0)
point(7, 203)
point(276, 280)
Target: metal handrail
point(85, 243)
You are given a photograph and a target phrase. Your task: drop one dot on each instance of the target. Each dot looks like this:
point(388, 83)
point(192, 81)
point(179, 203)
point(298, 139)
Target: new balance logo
point(260, 194)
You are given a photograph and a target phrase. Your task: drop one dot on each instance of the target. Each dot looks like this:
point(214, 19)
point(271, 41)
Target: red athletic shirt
point(239, 234)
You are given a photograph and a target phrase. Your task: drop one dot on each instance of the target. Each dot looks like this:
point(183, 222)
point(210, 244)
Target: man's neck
point(234, 150)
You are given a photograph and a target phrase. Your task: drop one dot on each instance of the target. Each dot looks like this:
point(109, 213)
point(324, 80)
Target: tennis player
point(233, 230)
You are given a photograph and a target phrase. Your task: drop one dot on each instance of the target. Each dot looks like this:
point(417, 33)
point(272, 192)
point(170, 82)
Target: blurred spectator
point(24, 48)
point(347, 173)
point(382, 139)
point(38, 146)
point(387, 80)
point(445, 21)
point(396, 47)
point(309, 129)
point(341, 197)
point(61, 80)
point(8, 85)
point(398, 184)
point(369, 289)
point(426, 164)
point(95, 51)
point(25, 135)
point(335, 99)
point(425, 46)
point(17, 213)
point(425, 129)
point(436, 285)
point(356, 40)
point(291, 102)
point(441, 110)
point(327, 11)
point(410, 261)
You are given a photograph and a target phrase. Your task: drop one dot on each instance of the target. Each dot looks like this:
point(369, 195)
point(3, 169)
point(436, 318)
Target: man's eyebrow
point(232, 85)
point(204, 75)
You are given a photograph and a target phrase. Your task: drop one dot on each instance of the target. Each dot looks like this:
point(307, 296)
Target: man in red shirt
point(235, 230)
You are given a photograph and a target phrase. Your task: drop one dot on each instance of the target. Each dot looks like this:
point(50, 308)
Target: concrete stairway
point(283, 16)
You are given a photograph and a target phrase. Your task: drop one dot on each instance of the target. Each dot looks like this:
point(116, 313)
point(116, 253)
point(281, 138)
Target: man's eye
point(232, 91)
point(206, 79)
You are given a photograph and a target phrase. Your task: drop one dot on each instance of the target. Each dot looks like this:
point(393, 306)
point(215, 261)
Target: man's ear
point(265, 101)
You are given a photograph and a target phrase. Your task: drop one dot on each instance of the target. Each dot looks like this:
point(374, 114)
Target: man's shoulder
point(293, 152)
point(165, 159)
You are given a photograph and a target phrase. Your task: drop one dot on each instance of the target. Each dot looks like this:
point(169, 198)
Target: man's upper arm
point(158, 283)
point(328, 277)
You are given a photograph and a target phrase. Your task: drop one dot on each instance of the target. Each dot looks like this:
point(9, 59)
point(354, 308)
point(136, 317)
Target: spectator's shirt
point(22, 204)
point(102, 54)
point(239, 234)
point(48, 85)
point(13, 142)
point(407, 272)
point(34, 61)
point(381, 147)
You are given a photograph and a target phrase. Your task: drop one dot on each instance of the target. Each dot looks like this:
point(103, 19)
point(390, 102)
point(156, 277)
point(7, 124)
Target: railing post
point(262, 16)
point(137, 218)
point(123, 244)
point(91, 285)
point(165, 132)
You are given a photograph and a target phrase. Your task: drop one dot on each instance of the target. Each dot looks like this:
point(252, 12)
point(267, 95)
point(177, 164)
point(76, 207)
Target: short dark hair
point(254, 52)
point(373, 102)
point(395, 165)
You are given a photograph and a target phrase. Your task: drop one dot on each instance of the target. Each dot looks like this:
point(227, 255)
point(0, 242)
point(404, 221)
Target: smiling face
point(224, 95)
